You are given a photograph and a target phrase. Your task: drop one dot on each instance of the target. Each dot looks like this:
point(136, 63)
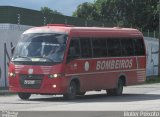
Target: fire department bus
point(68, 60)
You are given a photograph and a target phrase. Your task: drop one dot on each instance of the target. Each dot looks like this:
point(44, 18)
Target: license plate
point(29, 82)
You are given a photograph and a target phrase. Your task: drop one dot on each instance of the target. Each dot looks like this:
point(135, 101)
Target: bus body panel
point(104, 73)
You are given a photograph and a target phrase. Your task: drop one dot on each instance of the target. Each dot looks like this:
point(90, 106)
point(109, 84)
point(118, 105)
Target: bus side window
point(127, 47)
point(114, 47)
point(74, 50)
point(99, 47)
point(139, 47)
point(86, 50)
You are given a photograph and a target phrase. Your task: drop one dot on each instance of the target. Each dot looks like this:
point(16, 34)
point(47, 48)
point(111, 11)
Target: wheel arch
point(123, 78)
point(76, 79)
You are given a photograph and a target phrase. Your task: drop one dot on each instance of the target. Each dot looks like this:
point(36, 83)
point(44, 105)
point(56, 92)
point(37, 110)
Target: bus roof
point(66, 29)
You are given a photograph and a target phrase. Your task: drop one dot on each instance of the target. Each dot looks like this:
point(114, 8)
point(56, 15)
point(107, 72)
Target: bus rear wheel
point(72, 91)
point(118, 90)
point(81, 93)
point(24, 96)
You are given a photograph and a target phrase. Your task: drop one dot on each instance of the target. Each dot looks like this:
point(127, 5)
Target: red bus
point(68, 60)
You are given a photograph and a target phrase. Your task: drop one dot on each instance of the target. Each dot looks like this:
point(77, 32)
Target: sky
point(66, 7)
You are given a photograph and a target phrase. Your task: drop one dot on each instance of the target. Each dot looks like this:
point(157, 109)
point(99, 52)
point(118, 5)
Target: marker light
point(54, 86)
point(11, 74)
point(55, 75)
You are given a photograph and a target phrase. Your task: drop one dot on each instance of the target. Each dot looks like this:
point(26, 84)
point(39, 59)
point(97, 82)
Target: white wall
point(152, 59)
point(8, 33)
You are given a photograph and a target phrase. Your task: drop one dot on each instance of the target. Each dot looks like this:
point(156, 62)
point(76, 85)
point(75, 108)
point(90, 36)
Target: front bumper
point(48, 86)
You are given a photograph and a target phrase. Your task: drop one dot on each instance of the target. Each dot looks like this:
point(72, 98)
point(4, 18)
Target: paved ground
point(135, 98)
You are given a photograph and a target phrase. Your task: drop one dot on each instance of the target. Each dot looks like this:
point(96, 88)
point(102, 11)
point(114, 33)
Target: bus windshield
point(40, 47)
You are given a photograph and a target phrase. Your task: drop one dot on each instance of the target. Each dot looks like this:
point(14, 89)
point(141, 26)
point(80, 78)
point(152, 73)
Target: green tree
point(46, 10)
point(130, 13)
point(142, 13)
point(86, 10)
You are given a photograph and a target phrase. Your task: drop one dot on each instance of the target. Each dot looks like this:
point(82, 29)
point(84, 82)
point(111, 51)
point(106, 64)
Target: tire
point(110, 92)
point(24, 96)
point(81, 93)
point(72, 91)
point(117, 91)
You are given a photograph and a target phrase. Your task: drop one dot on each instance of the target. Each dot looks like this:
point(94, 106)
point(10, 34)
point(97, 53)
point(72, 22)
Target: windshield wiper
point(22, 57)
point(44, 58)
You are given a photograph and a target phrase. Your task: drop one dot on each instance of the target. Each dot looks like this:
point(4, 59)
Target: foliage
point(86, 10)
point(46, 11)
point(130, 13)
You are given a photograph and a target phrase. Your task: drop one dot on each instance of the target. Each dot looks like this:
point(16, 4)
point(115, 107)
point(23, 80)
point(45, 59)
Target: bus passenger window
point(86, 48)
point(99, 48)
point(74, 49)
point(127, 47)
point(139, 47)
point(114, 47)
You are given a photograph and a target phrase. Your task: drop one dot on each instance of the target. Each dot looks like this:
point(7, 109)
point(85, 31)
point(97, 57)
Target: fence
point(149, 33)
point(16, 15)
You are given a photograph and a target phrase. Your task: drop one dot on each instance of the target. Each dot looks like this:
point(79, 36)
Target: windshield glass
point(40, 47)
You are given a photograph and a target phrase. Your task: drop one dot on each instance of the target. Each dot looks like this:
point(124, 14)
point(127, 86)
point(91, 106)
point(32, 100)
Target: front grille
point(31, 81)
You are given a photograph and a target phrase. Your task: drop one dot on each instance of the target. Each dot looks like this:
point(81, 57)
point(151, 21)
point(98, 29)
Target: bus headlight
point(11, 74)
point(55, 75)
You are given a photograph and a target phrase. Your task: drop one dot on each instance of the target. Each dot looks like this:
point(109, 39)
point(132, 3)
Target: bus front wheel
point(24, 96)
point(72, 91)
